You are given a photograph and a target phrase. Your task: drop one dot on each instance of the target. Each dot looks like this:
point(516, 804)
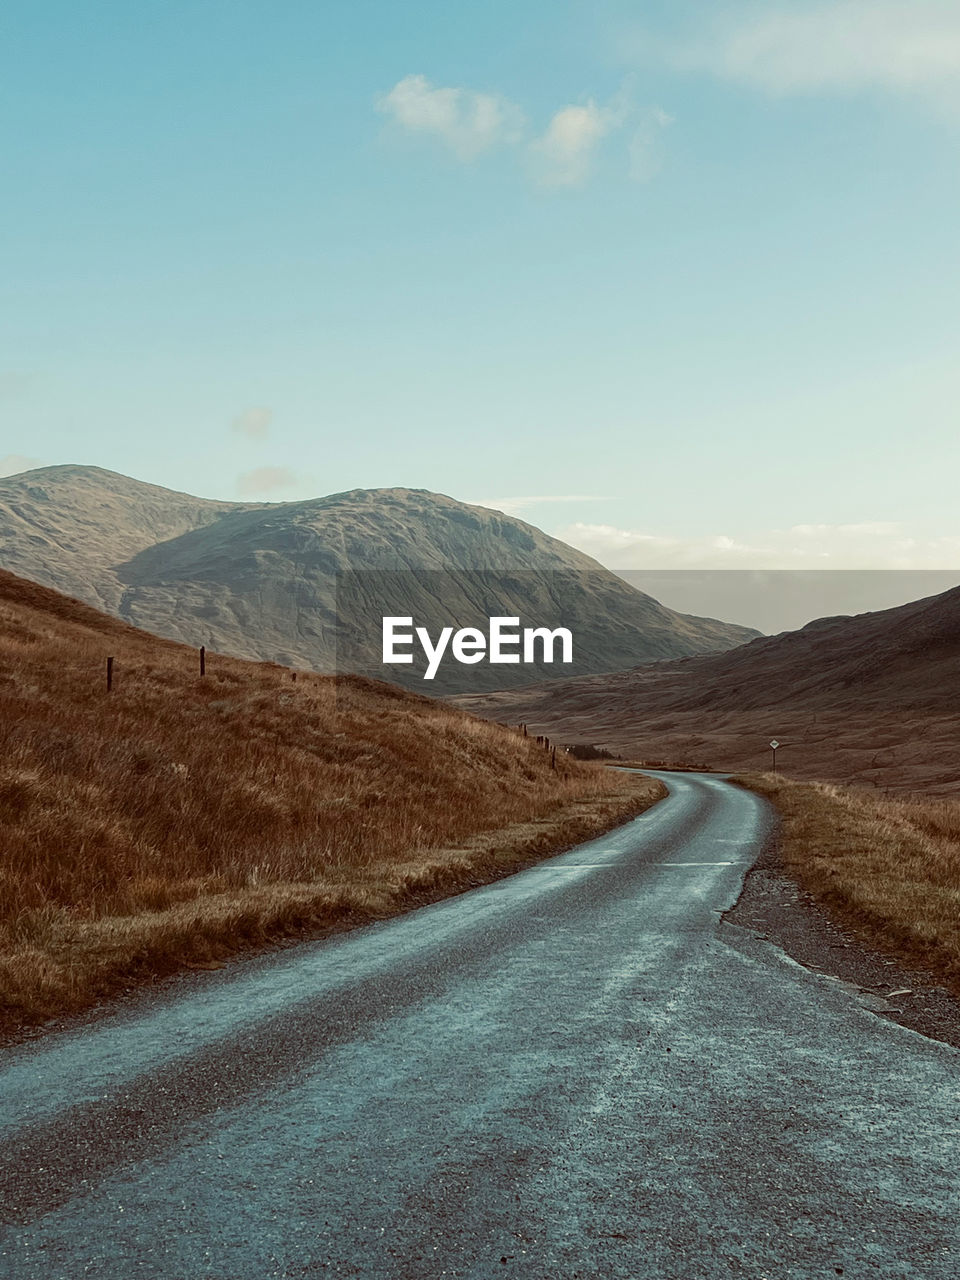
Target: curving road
point(576, 1072)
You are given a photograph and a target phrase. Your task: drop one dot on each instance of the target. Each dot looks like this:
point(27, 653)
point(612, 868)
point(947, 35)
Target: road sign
point(774, 744)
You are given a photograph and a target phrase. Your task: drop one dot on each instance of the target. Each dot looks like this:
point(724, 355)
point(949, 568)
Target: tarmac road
point(579, 1071)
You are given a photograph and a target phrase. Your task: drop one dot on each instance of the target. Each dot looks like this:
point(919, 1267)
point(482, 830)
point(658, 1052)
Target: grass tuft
point(886, 868)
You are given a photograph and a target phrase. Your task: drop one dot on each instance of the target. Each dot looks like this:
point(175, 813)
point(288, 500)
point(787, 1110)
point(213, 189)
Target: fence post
point(203, 661)
point(553, 760)
point(109, 674)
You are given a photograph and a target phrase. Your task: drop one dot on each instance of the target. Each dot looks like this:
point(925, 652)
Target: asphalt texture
point(579, 1071)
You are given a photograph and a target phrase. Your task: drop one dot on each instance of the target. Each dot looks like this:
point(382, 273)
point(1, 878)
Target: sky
point(676, 282)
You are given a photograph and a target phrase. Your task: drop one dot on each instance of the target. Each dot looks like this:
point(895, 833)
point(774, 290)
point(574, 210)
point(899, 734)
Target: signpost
point(773, 745)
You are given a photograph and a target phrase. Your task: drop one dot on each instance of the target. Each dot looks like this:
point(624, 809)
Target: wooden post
point(203, 661)
point(109, 674)
point(553, 760)
point(294, 677)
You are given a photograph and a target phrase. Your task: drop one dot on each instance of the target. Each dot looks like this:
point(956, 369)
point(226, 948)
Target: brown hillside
point(178, 817)
point(872, 699)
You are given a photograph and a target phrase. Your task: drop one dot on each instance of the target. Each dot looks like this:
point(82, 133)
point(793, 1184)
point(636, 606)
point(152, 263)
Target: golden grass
point(886, 868)
point(177, 819)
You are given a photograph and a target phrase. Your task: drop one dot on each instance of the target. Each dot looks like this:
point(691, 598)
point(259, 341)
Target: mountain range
point(304, 583)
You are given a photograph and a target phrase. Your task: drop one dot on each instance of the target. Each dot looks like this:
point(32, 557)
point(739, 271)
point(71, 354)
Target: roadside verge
point(865, 889)
point(83, 962)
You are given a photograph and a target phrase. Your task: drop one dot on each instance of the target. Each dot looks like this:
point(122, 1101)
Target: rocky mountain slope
point(267, 581)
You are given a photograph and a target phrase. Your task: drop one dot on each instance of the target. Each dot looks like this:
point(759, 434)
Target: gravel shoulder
point(773, 906)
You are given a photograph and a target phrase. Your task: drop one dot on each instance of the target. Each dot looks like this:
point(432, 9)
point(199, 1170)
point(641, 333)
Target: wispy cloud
point(11, 464)
point(869, 545)
point(644, 145)
point(562, 154)
point(789, 46)
point(266, 480)
point(15, 383)
point(464, 120)
point(253, 423)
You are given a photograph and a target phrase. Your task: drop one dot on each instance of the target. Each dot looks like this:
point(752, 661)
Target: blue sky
point(677, 282)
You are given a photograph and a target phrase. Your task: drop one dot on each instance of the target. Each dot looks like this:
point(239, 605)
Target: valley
point(869, 700)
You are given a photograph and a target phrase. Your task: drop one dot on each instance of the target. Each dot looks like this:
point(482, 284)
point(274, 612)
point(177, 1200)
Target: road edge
point(489, 857)
point(776, 909)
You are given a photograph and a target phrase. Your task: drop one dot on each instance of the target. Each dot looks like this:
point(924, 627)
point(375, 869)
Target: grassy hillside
point(886, 868)
point(865, 700)
point(177, 818)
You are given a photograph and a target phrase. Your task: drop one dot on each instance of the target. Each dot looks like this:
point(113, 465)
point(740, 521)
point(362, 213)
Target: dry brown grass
point(862, 701)
point(887, 868)
point(177, 818)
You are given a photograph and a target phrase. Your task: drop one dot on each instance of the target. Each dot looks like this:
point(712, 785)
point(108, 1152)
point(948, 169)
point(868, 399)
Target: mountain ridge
point(259, 580)
point(867, 698)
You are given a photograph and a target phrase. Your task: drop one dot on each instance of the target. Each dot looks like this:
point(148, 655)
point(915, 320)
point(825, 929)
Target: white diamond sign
point(774, 744)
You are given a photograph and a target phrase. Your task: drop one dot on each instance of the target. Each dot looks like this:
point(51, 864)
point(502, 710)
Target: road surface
point(577, 1072)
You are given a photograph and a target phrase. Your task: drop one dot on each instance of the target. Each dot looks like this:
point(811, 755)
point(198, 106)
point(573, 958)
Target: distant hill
point(873, 698)
point(260, 580)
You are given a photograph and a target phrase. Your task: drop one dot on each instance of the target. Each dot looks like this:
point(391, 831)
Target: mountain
point(70, 527)
point(305, 583)
point(870, 699)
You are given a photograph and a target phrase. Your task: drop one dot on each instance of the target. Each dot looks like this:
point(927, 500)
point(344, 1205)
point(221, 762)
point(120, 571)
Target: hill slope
point(871, 698)
point(260, 581)
point(179, 817)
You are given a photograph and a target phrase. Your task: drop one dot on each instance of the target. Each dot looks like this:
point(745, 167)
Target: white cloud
point(910, 46)
point(871, 528)
point(563, 155)
point(266, 480)
point(253, 423)
point(466, 121)
point(11, 464)
point(470, 123)
point(869, 545)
